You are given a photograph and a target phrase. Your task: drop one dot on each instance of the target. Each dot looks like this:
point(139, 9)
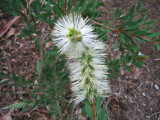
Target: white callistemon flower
point(72, 34)
point(89, 74)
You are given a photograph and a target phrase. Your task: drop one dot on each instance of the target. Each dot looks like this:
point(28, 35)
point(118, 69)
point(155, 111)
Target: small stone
point(156, 87)
point(18, 43)
point(144, 104)
point(143, 94)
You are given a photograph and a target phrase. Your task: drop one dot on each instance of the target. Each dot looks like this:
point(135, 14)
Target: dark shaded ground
point(135, 99)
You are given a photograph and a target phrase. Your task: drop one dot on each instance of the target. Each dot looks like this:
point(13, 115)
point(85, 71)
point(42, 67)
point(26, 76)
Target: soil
point(136, 94)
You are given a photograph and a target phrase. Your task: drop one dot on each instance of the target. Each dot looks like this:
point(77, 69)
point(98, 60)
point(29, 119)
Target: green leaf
point(158, 46)
point(83, 8)
point(134, 47)
point(76, 7)
point(116, 45)
point(136, 23)
point(140, 39)
point(53, 2)
point(102, 115)
point(56, 107)
point(35, 6)
point(25, 107)
point(37, 41)
point(4, 82)
point(38, 66)
point(51, 52)
point(150, 22)
point(152, 35)
point(16, 105)
point(69, 4)
point(16, 78)
point(33, 106)
point(128, 68)
point(141, 33)
point(88, 109)
point(44, 17)
point(127, 38)
point(95, 5)
point(106, 23)
point(91, 3)
point(121, 58)
point(139, 7)
point(98, 105)
point(122, 38)
point(144, 10)
point(57, 11)
point(33, 18)
point(48, 7)
point(130, 13)
point(24, 3)
point(106, 116)
point(61, 3)
point(118, 13)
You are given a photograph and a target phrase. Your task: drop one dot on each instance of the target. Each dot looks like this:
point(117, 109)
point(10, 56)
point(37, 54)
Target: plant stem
point(41, 43)
point(60, 114)
point(93, 107)
point(97, 23)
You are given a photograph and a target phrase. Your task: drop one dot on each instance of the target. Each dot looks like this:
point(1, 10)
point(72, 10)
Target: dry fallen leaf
point(11, 32)
point(136, 72)
point(49, 45)
point(6, 117)
point(10, 47)
point(42, 117)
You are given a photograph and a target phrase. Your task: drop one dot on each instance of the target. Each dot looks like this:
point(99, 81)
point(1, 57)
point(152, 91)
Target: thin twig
point(10, 72)
point(157, 59)
point(41, 44)
point(66, 4)
point(153, 115)
point(107, 103)
point(8, 65)
point(97, 23)
point(9, 25)
point(42, 111)
point(72, 114)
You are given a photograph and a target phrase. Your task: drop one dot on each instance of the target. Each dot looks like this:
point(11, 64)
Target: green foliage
point(103, 115)
point(89, 110)
point(48, 92)
point(130, 31)
point(14, 106)
point(99, 111)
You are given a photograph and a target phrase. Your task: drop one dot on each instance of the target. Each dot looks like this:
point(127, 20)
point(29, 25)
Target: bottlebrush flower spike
point(72, 34)
point(89, 74)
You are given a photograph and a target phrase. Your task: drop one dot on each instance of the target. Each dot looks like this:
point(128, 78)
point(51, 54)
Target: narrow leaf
point(99, 103)
point(83, 8)
point(152, 35)
point(102, 115)
point(88, 109)
point(116, 45)
point(158, 46)
point(139, 7)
